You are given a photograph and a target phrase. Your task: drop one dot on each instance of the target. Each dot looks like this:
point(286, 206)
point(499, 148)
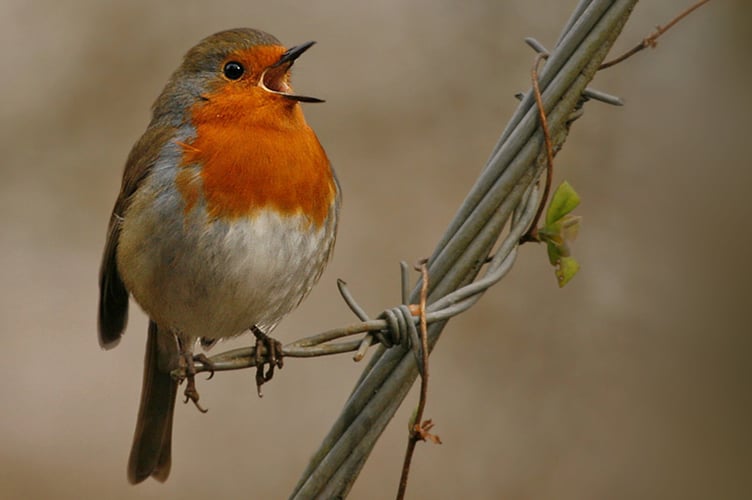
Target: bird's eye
point(233, 70)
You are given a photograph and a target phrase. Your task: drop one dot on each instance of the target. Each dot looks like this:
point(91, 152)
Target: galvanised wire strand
point(513, 167)
point(509, 145)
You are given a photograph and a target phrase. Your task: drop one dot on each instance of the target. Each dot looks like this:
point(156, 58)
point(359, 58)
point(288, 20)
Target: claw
point(190, 392)
point(274, 355)
point(204, 360)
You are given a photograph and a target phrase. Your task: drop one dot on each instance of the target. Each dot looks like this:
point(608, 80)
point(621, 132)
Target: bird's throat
point(245, 164)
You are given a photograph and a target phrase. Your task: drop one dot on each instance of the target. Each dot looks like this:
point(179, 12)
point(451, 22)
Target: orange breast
point(255, 151)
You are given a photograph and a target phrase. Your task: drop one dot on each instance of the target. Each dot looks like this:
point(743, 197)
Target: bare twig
point(652, 40)
point(419, 429)
point(532, 232)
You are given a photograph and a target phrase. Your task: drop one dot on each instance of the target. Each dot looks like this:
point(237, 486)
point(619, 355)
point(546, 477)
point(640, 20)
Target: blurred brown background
point(632, 382)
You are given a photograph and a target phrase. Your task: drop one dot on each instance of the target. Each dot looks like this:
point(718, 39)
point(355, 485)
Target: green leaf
point(560, 228)
point(570, 227)
point(566, 268)
point(564, 200)
point(553, 253)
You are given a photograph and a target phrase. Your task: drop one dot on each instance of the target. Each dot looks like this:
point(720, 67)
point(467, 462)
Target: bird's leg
point(187, 358)
point(274, 354)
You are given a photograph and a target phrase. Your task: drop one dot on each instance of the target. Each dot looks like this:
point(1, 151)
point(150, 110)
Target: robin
point(226, 218)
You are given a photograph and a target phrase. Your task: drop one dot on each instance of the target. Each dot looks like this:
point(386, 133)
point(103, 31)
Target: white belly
point(214, 279)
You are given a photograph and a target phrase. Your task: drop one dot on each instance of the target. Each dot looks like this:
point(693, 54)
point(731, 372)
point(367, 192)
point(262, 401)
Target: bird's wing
point(113, 295)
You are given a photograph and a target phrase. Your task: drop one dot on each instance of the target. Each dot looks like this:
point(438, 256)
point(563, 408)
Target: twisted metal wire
point(503, 191)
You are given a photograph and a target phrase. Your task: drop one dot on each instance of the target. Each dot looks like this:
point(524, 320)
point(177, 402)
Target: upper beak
point(283, 65)
point(291, 54)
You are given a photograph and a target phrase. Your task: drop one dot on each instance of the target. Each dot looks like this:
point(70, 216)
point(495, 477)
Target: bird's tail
point(151, 451)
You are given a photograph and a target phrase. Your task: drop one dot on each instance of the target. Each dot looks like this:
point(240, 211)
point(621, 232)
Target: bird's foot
point(191, 393)
point(273, 350)
point(208, 365)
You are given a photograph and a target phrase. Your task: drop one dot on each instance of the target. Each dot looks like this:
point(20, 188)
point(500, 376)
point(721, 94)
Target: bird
point(225, 219)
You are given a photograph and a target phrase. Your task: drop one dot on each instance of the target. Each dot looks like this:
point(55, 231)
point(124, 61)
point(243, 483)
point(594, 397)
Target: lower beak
point(279, 70)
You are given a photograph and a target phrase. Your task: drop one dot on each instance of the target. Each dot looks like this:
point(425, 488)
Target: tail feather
point(152, 441)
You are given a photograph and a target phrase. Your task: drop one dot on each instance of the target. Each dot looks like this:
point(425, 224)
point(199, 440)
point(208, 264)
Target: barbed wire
point(503, 196)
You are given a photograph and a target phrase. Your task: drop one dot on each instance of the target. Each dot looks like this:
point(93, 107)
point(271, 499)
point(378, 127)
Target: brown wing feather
point(113, 296)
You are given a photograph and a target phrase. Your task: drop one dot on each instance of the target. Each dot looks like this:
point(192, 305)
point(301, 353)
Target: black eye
point(233, 70)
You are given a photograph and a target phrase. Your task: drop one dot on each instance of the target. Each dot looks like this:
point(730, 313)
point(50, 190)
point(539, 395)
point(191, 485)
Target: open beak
point(274, 78)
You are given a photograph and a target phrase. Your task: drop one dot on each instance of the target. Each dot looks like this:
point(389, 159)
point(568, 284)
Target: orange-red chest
point(245, 159)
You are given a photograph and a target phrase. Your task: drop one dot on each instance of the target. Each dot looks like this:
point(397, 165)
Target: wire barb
point(588, 93)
